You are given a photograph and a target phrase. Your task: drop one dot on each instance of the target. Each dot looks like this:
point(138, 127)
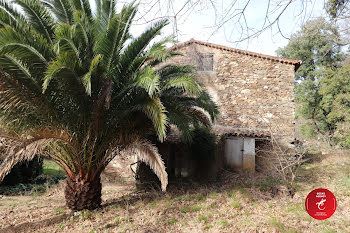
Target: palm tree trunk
point(82, 194)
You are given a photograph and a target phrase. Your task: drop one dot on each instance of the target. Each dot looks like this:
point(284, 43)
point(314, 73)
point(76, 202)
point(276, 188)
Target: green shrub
point(24, 172)
point(308, 130)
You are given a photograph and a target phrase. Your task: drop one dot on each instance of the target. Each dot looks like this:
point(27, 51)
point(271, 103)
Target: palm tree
point(75, 86)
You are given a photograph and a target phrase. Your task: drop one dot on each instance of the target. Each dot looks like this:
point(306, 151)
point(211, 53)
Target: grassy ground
point(237, 203)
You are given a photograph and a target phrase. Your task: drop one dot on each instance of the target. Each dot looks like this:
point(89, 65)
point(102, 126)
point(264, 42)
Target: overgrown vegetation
point(322, 81)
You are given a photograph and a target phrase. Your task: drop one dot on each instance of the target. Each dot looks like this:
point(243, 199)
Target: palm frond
point(82, 5)
point(63, 67)
point(199, 116)
point(148, 153)
point(138, 46)
point(206, 102)
point(18, 68)
point(17, 99)
point(11, 41)
point(115, 36)
point(186, 83)
point(105, 10)
point(87, 77)
point(39, 17)
point(170, 71)
point(81, 29)
point(25, 149)
point(20, 151)
point(65, 43)
point(158, 52)
point(148, 80)
point(9, 16)
point(156, 112)
point(61, 9)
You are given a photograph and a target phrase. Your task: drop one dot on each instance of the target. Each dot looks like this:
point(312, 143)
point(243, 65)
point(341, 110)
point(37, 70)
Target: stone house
point(255, 95)
point(254, 92)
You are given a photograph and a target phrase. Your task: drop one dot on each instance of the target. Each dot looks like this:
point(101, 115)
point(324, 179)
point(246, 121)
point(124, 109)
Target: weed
point(329, 230)
point(188, 197)
point(196, 208)
point(279, 226)
point(213, 195)
point(58, 211)
point(236, 204)
point(185, 209)
point(344, 182)
point(276, 224)
point(83, 215)
point(203, 218)
point(171, 221)
point(245, 193)
point(223, 223)
point(117, 220)
point(199, 197)
point(325, 222)
point(231, 193)
point(154, 204)
point(297, 209)
point(213, 205)
point(247, 213)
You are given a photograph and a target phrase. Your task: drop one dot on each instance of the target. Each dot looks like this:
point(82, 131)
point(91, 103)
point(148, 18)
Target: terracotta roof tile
point(296, 63)
point(240, 132)
point(174, 135)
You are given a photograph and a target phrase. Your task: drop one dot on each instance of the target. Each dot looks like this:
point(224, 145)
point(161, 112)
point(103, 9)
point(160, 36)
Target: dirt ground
point(237, 203)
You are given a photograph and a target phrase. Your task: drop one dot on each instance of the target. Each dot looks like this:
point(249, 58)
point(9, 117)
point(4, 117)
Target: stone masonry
point(253, 91)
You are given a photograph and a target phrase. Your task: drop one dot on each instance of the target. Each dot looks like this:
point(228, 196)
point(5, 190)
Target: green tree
point(316, 45)
point(336, 8)
point(335, 102)
point(77, 87)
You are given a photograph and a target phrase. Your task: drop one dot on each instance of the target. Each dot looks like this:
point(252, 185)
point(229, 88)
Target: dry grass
point(236, 203)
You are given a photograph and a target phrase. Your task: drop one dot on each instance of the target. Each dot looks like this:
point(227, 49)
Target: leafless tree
point(283, 161)
point(230, 16)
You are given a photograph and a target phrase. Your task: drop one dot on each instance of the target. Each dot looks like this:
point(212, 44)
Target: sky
point(199, 22)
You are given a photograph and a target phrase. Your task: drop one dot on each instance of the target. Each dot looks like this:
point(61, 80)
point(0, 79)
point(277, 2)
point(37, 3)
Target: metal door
point(234, 152)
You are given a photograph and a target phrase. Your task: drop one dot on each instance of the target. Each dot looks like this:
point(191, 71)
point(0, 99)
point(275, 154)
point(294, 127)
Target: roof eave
point(296, 63)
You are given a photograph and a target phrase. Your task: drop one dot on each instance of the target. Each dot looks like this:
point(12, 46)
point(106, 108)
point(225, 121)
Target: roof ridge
point(296, 63)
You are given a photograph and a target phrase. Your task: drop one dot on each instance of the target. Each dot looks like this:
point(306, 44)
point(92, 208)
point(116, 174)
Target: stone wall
point(251, 92)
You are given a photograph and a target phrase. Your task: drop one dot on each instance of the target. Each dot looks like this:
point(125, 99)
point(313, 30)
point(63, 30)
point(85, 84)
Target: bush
point(308, 130)
point(202, 150)
point(24, 172)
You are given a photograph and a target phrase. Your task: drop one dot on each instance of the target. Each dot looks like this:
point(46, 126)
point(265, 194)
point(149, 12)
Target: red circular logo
point(320, 204)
